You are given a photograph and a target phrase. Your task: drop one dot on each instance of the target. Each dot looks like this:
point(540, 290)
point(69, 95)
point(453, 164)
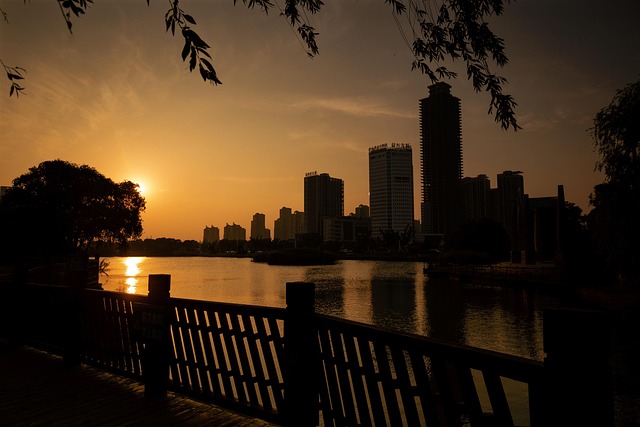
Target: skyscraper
point(390, 188)
point(476, 194)
point(258, 230)
point(288, 224)
point(211, 234)
point(323, 198)
point(511, 208)
point(234, 232)
point(441, 156)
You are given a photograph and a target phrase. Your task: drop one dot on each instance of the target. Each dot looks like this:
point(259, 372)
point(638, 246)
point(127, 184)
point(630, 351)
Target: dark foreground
point(37, 390)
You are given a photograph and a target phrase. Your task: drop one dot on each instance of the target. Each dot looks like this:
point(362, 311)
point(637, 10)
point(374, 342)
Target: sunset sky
point(115, 95)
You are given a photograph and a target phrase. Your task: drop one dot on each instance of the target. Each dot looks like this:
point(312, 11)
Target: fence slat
point(387, 382)
point(498, 399)
point(346, 390)
point(410, 410)
point(247, 377)
point(371, 378)
point(355, 367)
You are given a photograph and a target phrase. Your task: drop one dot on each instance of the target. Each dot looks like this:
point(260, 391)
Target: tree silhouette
point(616, 202)
point(482, 241)
point(434, 31)
point(59, 209)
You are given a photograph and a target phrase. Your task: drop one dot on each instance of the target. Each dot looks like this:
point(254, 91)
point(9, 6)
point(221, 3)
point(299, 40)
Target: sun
point(142, 189)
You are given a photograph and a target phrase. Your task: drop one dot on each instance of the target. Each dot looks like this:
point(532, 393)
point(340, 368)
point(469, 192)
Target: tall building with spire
point(441, 159)
point(390, 188)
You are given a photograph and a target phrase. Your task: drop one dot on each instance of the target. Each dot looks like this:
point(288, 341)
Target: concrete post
point(301, 356)
point(578, 375)
point(72, 335)
point(155, 323)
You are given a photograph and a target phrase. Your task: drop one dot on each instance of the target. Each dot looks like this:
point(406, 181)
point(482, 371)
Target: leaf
point(204, 73)
point(204, 52)
point(192, 60)
point(189, 19)
point(14, 76)
point(185, 49)
point(207, 63)
point(12, 90)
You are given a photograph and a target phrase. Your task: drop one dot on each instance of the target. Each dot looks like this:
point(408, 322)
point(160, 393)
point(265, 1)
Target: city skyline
point(114, 95)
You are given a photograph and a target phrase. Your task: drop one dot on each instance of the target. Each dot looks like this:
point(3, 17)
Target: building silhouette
point(361, 211)
point(323, 198)
point(475, 191)
point(288, 224)
point(511, 209)
point(211, 234)
point(441, 158)
point(258, 229)
point(390, 188)
point(234, 232)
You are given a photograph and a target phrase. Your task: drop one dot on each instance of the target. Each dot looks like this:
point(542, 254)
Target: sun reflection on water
point(133, 270)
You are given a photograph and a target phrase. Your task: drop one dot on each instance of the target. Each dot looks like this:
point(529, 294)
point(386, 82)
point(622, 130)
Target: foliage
point(440, 30)
point(616, 134)
point(483, 241)
point(613, 219)
point(14, 75)
point(59, 208)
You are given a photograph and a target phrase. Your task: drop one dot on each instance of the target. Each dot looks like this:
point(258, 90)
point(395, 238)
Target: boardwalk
point(36, 390)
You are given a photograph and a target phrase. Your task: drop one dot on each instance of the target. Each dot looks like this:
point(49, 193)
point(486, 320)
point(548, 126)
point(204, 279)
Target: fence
point(295, 367)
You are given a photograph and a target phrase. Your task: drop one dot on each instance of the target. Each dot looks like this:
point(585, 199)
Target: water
point(393, 295)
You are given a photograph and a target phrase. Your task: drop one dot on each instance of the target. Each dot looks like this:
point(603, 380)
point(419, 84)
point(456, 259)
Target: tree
point(483, 241)
point(62, 209)
point(441, 30)
point(616, 202)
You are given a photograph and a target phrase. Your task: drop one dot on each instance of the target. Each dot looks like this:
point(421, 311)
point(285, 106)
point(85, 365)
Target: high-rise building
point(323, 198)
point(3, 190)
point(511, 209)
point(390, 188)
point(258, 230)
point(441, 155)
point(362, 211)
point(211, 234)
point(234, 232)
point(475, 191)
point(288, 224)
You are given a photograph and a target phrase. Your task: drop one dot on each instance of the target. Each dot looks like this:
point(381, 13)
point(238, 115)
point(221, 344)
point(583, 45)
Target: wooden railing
point(228, 352)
point(295, 367)
point(402, 379)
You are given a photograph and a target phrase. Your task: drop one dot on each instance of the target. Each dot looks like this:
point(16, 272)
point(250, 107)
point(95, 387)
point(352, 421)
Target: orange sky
point(116, 96)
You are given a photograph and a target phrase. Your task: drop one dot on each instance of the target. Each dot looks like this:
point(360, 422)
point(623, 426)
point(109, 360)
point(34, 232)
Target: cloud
point(354, 107)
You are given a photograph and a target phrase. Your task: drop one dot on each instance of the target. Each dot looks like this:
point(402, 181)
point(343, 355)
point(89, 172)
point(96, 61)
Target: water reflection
point(445, 302)
point(330, 284)
point(132, 269)
point(393, 296)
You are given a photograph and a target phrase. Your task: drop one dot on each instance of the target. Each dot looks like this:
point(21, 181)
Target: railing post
point(578, 377)
point(301, 356)
point(72, 334)
point(16, 305)
point(154, 318)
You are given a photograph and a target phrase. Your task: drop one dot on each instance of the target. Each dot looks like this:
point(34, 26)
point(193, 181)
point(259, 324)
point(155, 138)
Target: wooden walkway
point(37, 390)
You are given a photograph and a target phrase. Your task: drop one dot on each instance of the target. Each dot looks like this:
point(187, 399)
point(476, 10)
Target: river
point(393, 295)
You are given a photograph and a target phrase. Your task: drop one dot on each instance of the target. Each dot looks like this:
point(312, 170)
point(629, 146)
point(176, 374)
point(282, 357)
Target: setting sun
point(142, 187)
